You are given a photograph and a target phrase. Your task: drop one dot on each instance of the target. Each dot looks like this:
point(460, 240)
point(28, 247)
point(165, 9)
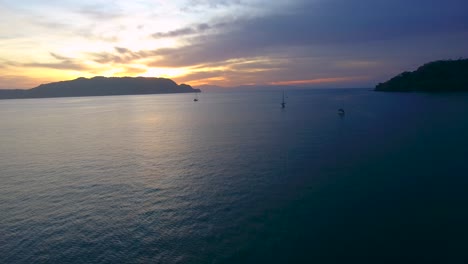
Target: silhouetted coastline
point(100, 86)
point(437, 76)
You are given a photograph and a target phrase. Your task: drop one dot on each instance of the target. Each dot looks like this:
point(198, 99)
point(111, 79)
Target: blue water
point(233, 178)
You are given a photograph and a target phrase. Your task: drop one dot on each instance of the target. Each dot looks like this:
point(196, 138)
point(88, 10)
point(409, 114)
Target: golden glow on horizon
point(319, 81)
point(109, 43)
point(33, 76)
point(124, 45)
point(166, 72)
point(208, 81)
point(221, 42)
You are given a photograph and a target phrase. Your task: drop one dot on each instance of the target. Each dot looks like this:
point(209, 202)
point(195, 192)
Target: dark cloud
point(187, 31)
point(122, 50)
point(351, 40)
point(6, 63)
point(337, 21)
point(122, 56)
point(400, 32)
point(107, 57)
point(58, 66)
point(314, 26)
point(175, 33)
point(59, 57)
point(63, 63)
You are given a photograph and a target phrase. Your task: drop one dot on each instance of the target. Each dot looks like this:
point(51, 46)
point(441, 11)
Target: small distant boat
point(341, 112)
point(283, 103)
point(196, 97)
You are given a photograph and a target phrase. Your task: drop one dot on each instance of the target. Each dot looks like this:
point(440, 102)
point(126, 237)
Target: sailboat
point(283, 103)
point(196, 97)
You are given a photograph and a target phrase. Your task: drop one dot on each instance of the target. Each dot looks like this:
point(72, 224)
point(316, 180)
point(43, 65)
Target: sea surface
point(233, 178)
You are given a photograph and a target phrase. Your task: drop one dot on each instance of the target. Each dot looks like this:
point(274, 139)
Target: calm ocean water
point(235, 179)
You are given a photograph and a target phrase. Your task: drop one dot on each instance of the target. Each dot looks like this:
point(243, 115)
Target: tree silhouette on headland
point(437, 76)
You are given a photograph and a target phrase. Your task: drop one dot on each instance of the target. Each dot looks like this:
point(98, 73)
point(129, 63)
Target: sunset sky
point(317, 43)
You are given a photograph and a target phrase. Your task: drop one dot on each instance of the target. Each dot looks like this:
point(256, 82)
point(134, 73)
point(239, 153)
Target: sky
point(313, 43)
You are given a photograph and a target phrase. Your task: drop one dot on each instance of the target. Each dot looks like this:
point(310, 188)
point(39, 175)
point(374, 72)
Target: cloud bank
point(234, 42)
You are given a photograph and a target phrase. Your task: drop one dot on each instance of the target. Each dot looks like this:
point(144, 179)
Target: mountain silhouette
point(437, 76)
point(100, 86)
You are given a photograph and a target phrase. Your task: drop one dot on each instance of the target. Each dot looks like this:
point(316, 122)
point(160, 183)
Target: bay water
point(233, 178)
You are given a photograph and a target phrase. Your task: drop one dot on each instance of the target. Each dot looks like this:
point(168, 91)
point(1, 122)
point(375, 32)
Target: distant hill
point(100, 86)
point(437, 76)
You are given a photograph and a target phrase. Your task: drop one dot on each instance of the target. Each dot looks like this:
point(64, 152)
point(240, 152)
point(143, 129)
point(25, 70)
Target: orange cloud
point(206, 81)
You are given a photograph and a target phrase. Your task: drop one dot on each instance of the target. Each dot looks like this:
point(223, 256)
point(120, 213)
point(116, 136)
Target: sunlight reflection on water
point(228, 179)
